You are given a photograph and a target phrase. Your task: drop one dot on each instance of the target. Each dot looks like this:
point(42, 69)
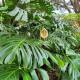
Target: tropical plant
point(32, 36)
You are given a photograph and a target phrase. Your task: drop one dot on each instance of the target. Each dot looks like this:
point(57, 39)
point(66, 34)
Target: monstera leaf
point(21, 14)
point(9, 72)
point(27, 52)
point(42, 73)
point(74, 70)
point(14, 72)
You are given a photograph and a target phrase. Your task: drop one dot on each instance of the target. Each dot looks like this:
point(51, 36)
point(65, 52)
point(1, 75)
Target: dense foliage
point(24, 51)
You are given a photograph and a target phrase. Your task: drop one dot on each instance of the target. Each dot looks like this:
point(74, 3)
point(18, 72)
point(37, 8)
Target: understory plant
point(31, 37)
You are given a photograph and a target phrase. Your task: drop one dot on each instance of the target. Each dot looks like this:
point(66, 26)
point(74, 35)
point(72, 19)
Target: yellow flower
point(43, 33)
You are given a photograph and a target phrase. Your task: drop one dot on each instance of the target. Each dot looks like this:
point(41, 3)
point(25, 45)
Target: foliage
point(72, 16)
point(24, 53)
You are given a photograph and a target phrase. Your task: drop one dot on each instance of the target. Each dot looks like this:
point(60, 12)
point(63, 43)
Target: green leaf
point(40, 58)
point(9, 72)
point(19, 16)
point(71, 52)
point(34, 75)
point(53, 58)
point(74, 68)
point(26, 57)
point(10, 49)
point(44, 74)
point(25, 16)
point(4, 8)
point(28, 53)
point(61, 63)
point(26, 76)
point(25, 1)
point(14, 11)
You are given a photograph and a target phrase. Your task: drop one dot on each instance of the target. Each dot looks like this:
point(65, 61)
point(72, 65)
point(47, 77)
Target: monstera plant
point(32, 36)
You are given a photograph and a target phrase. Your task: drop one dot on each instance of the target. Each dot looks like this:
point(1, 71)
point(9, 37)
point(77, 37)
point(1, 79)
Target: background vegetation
point(35, 40)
